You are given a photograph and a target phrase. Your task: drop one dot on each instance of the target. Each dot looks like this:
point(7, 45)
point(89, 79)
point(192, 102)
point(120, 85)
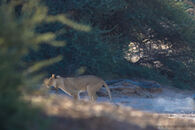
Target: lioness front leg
point(91, 94)
point(55, 88)
point(75, 96)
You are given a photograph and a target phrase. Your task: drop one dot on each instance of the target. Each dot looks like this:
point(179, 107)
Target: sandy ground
point(171, 109)
point(171, 102)
point(66, 113)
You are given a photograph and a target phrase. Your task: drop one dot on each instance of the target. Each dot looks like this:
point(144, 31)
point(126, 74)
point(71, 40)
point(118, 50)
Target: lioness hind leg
point(91, 93)
point(94, 96)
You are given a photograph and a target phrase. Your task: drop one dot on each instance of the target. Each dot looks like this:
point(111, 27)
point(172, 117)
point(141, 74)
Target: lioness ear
point(53, 75)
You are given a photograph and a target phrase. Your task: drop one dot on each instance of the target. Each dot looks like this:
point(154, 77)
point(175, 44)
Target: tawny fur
point(74, 85)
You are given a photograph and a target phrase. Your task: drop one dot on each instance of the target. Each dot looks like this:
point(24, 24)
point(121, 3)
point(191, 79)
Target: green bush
point(18, 22)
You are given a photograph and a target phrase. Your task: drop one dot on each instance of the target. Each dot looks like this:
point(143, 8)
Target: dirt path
point(132, 108)
point(75, 115)
point(170, 101)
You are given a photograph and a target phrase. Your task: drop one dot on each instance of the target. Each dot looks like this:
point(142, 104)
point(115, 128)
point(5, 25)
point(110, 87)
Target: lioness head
point(50, 82)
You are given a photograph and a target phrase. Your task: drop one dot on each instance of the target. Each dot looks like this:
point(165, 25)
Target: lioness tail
point(107, 88)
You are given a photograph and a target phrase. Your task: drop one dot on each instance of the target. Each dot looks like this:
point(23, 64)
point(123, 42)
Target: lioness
point(74, 85)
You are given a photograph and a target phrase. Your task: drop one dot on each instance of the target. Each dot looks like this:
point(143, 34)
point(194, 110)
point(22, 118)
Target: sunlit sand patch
point(62, 106)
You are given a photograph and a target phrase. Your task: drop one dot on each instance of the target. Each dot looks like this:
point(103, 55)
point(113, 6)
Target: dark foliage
point(159, 33)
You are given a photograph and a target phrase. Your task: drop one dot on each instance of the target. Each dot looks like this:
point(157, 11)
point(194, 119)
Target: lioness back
point(81, 82)
point(89, 79)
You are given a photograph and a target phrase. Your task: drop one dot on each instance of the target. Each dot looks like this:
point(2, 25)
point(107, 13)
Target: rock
point(151, 86)
point(126, 87)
